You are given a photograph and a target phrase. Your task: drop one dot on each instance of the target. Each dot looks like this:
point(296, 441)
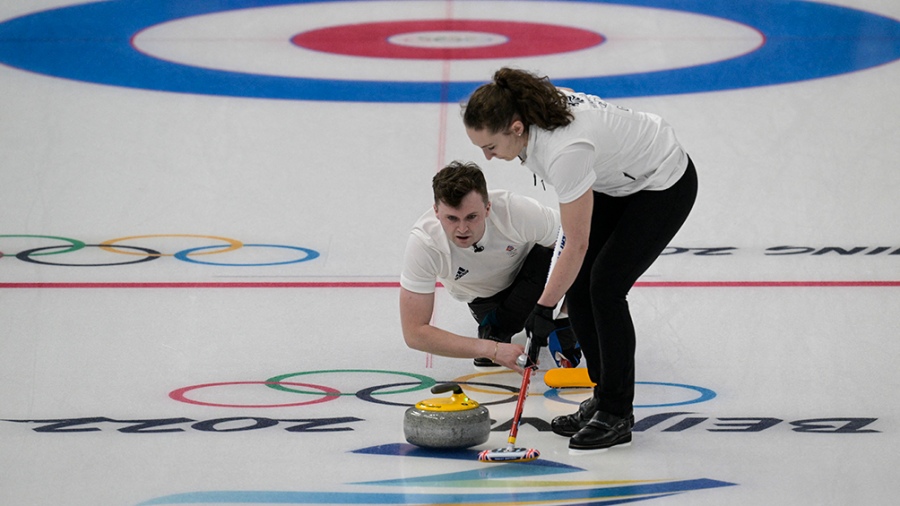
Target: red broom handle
point(520, 404)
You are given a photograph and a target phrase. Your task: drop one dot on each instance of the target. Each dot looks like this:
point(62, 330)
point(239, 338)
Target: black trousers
point(627, 235)
point(508, 309)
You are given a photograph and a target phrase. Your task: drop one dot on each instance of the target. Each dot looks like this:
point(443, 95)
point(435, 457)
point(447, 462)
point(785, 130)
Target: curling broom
point(511, 453)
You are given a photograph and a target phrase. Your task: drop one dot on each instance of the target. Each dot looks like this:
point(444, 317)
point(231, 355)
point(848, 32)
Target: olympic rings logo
point(322, 393)
point(40, 255)
point(298, 384)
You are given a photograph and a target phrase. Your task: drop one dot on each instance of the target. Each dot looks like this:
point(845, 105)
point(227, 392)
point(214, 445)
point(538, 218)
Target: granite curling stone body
point(448, 422)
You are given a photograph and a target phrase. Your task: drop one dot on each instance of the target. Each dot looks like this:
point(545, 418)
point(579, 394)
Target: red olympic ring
point(329, 394)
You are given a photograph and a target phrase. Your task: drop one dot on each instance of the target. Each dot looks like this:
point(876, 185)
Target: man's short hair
point(452, 183)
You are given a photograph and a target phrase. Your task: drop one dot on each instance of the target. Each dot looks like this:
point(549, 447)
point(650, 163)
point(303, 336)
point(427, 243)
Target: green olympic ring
point(424, 381)
point(75, 243)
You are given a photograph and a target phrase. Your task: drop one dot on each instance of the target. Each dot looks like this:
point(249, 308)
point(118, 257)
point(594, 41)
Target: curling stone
point(447, 422)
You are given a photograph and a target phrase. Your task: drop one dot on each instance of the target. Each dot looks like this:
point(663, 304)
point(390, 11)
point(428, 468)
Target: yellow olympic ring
point(110, 244)
point(470, 388)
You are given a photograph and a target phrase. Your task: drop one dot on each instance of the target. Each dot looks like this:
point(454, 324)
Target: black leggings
point(509, 308)
point(627, 235)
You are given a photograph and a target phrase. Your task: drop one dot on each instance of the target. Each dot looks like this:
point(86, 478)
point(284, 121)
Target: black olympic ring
point(26, 256)
point(367, 394)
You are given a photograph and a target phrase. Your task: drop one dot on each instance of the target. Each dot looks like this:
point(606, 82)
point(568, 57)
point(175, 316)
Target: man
point(491, 250)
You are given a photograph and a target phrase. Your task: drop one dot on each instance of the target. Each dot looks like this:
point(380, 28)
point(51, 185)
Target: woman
point(625, 187)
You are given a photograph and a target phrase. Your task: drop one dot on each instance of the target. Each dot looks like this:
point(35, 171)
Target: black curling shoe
point(569, 425)
point(603, 431)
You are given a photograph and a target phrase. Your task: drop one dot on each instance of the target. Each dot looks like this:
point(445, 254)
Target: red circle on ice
point(447, 39)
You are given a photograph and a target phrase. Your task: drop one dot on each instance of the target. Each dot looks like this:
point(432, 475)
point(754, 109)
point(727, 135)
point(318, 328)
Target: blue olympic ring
point(705, 395)
point(310, 255)
point(92, 43)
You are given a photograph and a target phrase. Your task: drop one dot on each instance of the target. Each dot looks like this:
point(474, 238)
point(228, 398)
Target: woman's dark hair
point(516, 95)
point(452, 183)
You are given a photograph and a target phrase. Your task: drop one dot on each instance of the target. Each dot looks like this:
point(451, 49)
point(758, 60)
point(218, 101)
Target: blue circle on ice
point(92, 43)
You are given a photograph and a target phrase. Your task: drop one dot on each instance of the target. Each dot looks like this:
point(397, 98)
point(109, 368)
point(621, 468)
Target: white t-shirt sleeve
point(534, 222)
point(420, 266)
point(572, 171)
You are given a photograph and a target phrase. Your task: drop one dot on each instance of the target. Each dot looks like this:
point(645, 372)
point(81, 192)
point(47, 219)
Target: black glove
point(538, 326)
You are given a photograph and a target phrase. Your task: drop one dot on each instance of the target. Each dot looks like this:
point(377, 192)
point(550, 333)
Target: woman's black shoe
point(603, 431)
point(569, 425)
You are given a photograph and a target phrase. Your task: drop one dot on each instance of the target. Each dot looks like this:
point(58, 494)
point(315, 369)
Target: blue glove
point(564, 347)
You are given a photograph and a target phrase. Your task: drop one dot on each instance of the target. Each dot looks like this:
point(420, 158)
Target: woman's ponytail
point(516, 95)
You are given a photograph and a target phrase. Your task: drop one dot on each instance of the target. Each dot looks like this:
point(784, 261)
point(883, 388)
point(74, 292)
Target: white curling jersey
point(514, 225)
point(607, 148)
